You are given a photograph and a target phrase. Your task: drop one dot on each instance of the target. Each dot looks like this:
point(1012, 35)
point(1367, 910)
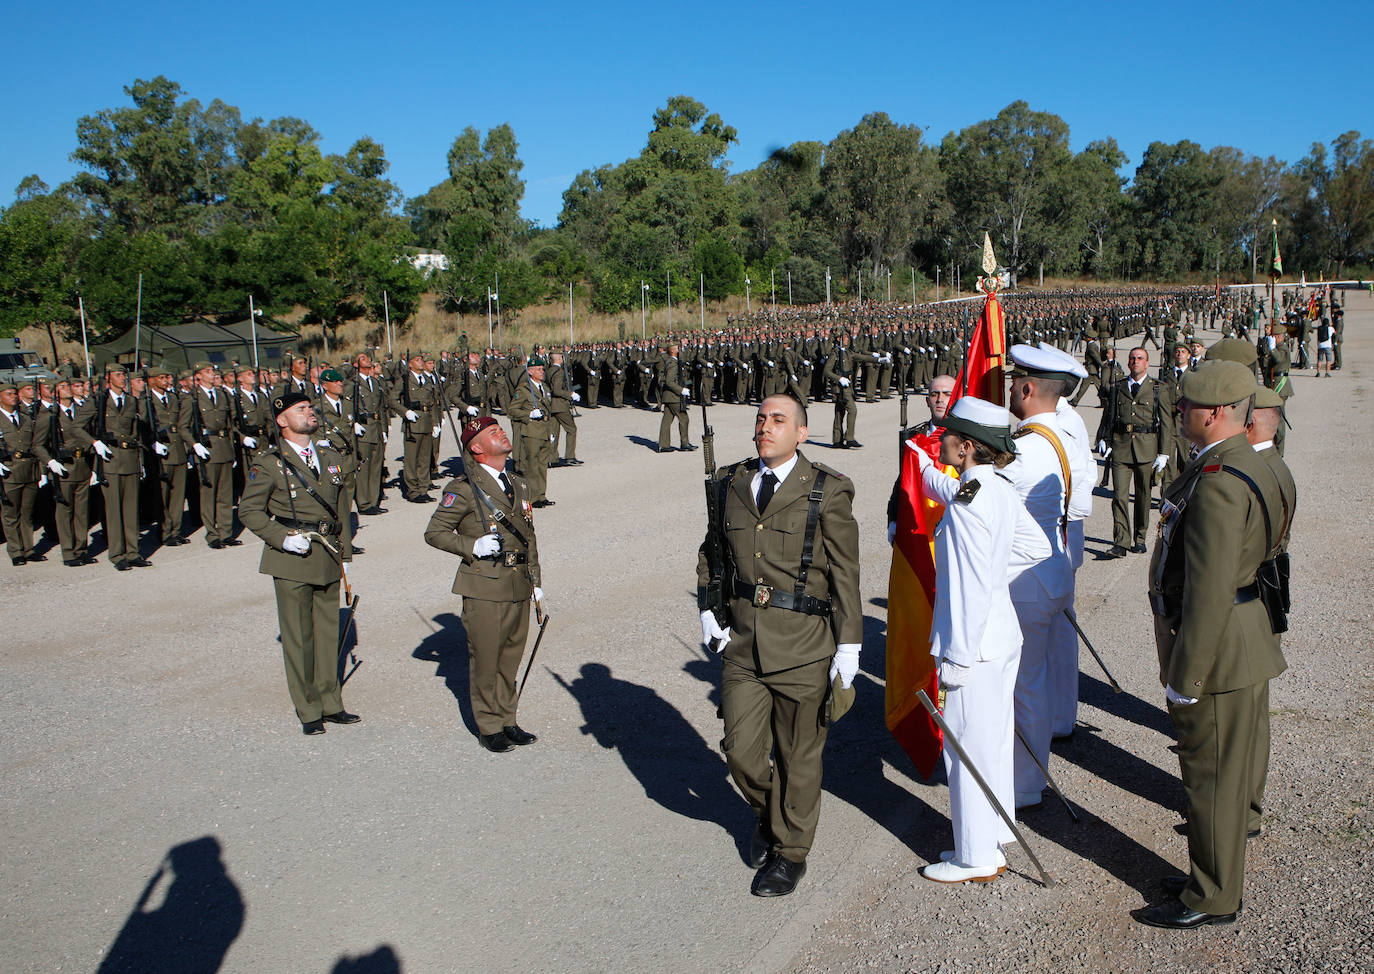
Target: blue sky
point(579, 83)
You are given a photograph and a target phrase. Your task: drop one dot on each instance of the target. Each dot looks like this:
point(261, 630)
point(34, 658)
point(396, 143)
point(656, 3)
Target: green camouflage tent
point(181, 346)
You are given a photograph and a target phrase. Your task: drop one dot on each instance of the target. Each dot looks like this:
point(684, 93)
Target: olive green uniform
point(1135, 427)
point(122, 475)
point(276, 503)
point(418, 435)
point(372, 399)
point(336, 426)
point(673, 378)
point(172, 478)
point(205, 419)
point(560, 394)
point(1215, 643)
point(72, 492)
point(777, 663)
point(496, 590)
point(536, 435)
point(21, 483)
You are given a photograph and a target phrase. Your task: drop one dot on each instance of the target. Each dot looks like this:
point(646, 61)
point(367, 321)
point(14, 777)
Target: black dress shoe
point(175, 541)
point(688, 447)
point(498, 742)
point(313, 728)
point(760, 845)
point(73, 562)
point(89, 560)
point(38, 558)
point(1118, 551)
point(217, 544)
point(575, 463)
point(422, 499)
point(1252, 834)
point(853, 445)
point(359, 550)
point(665, 449)
point(1138, 548)
point(140, 562)
point(232, 542)
point(377, 510)
point(123, 566)
point(21, 560)
point(839, 445)
point(544, 503)
point(517, 735)
point(1174, 915)
point(779, 877)
point(342, 717)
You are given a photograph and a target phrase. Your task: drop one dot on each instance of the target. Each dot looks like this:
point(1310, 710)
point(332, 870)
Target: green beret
point(330, 375)
point(1233, 350)
point(1218, 383)
point(537, 361)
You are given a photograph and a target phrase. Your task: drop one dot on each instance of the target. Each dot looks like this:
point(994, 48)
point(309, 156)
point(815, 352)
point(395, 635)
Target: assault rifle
point(719, 564)
point(201, 435)
point(150, 420)
point(56, 448)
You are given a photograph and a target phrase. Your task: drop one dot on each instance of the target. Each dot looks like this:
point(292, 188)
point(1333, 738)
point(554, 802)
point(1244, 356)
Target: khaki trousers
point(496, 641)
point(309, 619)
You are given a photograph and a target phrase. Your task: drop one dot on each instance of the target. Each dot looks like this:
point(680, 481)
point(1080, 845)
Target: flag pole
point(81, 307)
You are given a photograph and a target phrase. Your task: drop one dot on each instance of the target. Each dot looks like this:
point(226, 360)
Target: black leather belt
point(1136, 428)
point(324, 525)
point(1247, 594)
point(128, 444)
point(766, 596)
point(510, 558)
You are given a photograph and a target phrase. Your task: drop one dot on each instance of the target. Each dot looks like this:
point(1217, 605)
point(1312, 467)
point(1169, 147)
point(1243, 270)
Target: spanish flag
point(911, 580)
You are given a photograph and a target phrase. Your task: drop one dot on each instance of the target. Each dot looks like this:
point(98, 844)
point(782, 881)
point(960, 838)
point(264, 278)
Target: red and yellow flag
point(911, 581)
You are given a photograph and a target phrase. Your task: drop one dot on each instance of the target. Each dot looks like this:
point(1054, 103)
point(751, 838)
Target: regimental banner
point(983, 374)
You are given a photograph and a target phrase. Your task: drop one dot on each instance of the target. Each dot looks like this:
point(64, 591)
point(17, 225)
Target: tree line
point(210, 208)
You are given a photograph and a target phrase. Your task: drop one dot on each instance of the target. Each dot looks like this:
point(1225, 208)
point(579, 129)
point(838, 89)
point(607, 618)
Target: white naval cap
point(981, 420)
point(1074, 366)
point(1044, 363)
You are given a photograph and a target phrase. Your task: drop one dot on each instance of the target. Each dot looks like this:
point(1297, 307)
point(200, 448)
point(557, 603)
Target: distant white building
point(428, 262)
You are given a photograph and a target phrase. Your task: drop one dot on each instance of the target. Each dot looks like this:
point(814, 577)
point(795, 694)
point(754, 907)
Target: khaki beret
point(202, 365)
point(1218, 383)
point(1267, 398)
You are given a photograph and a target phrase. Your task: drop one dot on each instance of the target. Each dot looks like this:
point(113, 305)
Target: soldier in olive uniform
point(562, 401)
point(339, 426)
point(170, 449)
point(117, 420)
point(1134, 434)
point(413, 397)
point(531, 413)
point(206, 425)
point(371, 396)
point(291, 502)
point(1221, 523)
point(19, 473)
point(840, 370)
point(796, 625)
point(70, 452)
point(485, 517)
point(674, 387)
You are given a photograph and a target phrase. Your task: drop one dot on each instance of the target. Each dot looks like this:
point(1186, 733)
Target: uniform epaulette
point(830, 471)
point(1023, 431)
point(968, 491)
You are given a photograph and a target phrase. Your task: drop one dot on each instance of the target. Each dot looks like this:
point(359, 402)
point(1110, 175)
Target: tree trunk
point(1042, 273)
point(53, 338)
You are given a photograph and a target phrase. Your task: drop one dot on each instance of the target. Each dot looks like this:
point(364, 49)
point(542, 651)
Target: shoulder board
point(1023, 431)
point(968, 491)
point(829, 471)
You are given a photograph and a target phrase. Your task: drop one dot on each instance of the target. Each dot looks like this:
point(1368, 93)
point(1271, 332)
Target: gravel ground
point(162, 810)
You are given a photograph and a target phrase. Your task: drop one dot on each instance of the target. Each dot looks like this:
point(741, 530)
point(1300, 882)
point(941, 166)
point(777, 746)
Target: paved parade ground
point(161, 810)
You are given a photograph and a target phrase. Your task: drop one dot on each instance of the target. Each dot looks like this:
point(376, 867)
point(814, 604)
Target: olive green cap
point(1233, 350)
point(1218, 383)
point(1267, 398)
point(199, 366)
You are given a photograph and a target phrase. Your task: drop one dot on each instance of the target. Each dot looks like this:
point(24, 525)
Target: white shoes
point(1000, 860)
point(950, 871)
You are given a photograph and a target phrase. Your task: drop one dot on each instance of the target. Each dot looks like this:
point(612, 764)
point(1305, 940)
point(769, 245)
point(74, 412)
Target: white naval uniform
point(1040, 594)
point(1064, 663)
point(980, 544)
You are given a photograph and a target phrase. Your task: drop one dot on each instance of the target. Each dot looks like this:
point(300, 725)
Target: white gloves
point(161, 448)
point(1174, 697)
point(845, 664)
point(4, 470)
point(1160, 462)
point(844, 382)
point(486, 546)
point(711, 632)
point(105, 452)
point(952, 675)
point(473, 410)
point(576, 397)
point(686, 392)
point(249, 441)
point(536, 414)
point(201, 451)
point(358, 430)
point(436, 431)
point(412, 416)
point(891, 532)
point(297, 544)
point(539, 595)
point(95, 480)
point(57, 468)
point(1103, 450)
point(42, 481)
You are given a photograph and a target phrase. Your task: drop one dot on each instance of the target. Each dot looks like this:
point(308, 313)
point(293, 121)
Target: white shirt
point(1039, 481)
point(980, 546)
point(314, 461)
point(781, 471)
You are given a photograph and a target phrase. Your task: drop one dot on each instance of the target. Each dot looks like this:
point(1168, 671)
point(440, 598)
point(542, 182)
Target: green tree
point(40, 235)
point(1340, 192)
point(1175, 207)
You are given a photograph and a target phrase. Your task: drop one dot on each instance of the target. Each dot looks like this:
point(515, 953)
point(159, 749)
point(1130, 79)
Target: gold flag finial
point(989, 261)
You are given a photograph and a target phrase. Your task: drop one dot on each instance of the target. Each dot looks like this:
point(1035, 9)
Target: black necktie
point(1135, 387)
point(770, 484)
point(505, 485)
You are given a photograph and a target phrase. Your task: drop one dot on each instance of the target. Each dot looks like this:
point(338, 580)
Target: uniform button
point(758, 554)
point(758, 527)
point(760, 581)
